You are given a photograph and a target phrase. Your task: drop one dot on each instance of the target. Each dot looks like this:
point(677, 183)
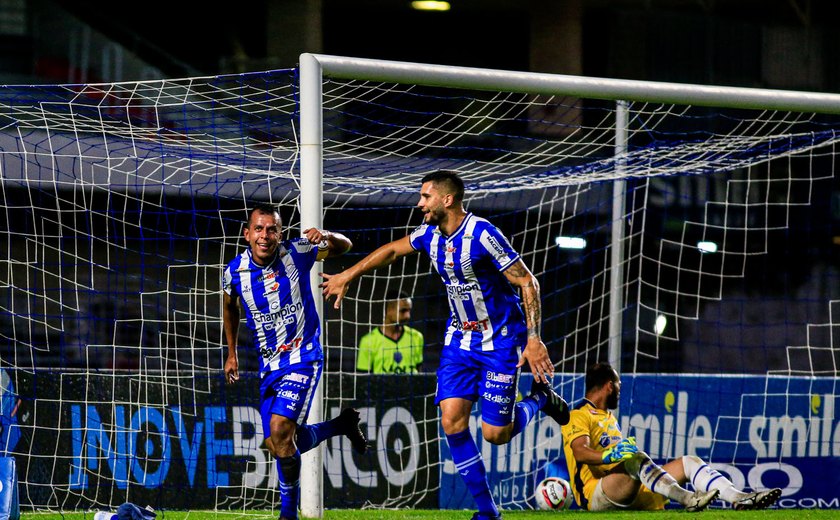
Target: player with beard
point(607, 471)
point(493, 328)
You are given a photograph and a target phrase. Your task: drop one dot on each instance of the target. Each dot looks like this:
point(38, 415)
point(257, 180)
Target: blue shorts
point(288, 392)
point(491, 375)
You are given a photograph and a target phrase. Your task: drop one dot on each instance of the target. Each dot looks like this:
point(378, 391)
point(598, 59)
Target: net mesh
point(122, 203)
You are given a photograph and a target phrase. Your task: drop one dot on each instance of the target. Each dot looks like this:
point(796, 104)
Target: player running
point(271, 278)
point(488, 327)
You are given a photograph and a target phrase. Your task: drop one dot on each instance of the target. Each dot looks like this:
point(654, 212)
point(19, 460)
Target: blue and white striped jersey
point(485, 310)
point(279, 306)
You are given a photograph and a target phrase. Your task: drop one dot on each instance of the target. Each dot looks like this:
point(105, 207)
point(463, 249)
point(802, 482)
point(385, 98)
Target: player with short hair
point(393, 347)
point(271, 279)
point(491, 332)
point(607, 471)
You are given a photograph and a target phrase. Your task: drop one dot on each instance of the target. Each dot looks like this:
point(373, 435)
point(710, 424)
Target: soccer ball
point(553, 493)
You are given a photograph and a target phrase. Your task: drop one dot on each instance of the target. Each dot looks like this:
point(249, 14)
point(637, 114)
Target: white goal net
point(122, 202)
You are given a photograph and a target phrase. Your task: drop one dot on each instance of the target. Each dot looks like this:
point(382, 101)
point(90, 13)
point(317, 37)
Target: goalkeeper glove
point(622, 450)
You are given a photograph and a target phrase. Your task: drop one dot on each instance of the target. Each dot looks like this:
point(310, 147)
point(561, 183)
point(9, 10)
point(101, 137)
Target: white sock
point(656, 479)
point(704, 478)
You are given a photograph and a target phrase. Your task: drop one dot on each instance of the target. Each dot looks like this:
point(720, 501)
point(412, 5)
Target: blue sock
point(523, 412)
point(310, 435)
point(288, 473)
point(469, 464)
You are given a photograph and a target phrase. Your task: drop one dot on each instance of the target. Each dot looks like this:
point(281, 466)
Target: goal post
point(315, 68)
point(311, 202)
point(684, 233)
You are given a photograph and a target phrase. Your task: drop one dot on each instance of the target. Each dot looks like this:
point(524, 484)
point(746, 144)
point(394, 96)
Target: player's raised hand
point(315, 235)
point(536, 354)
point(334, 285)
point(622, 450)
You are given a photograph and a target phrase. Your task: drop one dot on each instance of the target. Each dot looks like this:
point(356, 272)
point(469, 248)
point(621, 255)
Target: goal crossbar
point(560, 84)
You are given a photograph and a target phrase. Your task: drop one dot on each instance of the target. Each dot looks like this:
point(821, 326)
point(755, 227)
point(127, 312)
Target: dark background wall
point(790, 44)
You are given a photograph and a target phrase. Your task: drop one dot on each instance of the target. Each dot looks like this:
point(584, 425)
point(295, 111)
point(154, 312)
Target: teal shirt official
point(382, 355)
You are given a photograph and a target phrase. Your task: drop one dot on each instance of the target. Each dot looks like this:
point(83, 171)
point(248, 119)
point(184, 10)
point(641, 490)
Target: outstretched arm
point(230, 317)
point(337, 284)
point(535, 353)
point(336, 243)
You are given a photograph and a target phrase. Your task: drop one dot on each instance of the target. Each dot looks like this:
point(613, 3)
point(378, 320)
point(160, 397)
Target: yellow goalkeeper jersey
point(602, 429)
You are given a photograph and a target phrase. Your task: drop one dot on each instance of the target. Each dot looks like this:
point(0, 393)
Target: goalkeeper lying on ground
point(608, 471)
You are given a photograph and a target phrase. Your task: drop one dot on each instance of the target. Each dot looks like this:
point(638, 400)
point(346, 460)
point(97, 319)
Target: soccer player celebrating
point(488, 327)
point(611, 472)
point(271, 278)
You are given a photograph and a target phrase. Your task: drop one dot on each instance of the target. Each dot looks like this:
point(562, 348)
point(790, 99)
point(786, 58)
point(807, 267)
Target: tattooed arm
point(535, 352)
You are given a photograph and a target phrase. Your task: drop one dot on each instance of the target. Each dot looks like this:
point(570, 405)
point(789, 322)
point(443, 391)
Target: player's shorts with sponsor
point(646, 500)
point(488, 377)
point(288, 392)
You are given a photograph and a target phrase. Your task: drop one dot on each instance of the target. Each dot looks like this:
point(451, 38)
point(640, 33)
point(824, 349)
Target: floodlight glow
point(570, 242)
point(660, 324)
point(430, 5)
point(707, 247)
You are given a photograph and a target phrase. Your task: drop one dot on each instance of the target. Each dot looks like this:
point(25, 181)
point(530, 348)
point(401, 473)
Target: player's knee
point(691, 463)
point(496, 438)
point(496, 435)
point(281, 446)
point(633, 465)
point(453, 425)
